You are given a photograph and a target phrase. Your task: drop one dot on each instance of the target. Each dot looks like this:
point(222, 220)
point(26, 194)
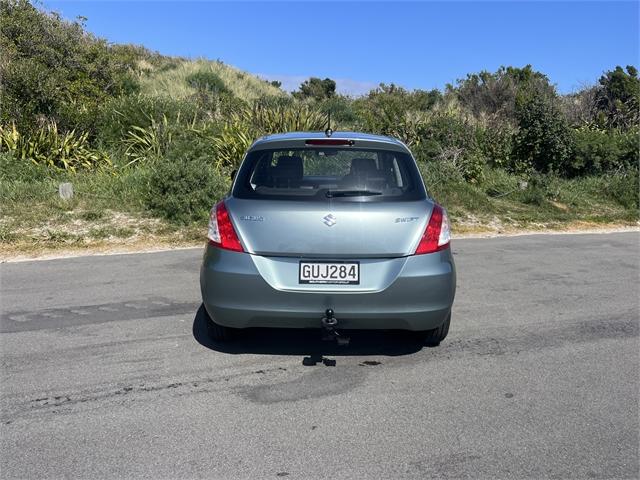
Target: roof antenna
point(328, 132)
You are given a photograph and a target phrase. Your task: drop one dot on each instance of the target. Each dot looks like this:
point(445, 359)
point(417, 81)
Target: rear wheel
point(218, 333)
point(435, 336)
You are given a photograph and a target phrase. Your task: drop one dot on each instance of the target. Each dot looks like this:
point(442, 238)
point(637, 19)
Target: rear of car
point(316, 224)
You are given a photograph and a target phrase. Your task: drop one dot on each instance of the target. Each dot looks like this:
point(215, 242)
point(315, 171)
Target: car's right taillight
point(437, 235)
point(221, 232)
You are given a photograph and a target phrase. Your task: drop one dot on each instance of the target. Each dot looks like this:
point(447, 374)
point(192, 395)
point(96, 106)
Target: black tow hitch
point(329, 328)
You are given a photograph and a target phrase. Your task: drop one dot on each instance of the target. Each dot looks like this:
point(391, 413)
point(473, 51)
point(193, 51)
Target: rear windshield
point(319, 174)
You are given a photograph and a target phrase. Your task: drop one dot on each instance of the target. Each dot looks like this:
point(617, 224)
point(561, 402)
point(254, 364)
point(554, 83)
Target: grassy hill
point(177, 80)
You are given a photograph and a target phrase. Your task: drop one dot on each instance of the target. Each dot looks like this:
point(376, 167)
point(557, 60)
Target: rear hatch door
point(331, 229)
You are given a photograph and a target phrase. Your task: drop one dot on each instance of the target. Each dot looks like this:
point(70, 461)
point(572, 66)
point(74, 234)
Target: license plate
point(336, 273)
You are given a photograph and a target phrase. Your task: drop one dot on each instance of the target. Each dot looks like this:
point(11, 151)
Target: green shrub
point(497, 93)
point(48, 147)
point(155, 141)
point(232, 143)
point(543, 142)
point(536, 192)
point(183, 188)
point(596, 151)
point(217, 107)
point(52, 68)
point(197, 142)
point(316, 88)
point(342, 113)
point(495, 142)
point(207, 81)
point(244, 126)
point(449, 138)
point(212, 95)
point(618, 98)
point(386, 107)
point(147, 143)
point(472, 166)
point(447, 129)
point(295, 117)
point(120, 115)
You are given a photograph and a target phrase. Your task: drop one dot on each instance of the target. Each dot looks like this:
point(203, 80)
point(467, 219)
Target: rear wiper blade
point(351, 193)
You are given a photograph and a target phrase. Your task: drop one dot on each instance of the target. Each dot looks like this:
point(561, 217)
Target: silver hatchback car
point(328, 232)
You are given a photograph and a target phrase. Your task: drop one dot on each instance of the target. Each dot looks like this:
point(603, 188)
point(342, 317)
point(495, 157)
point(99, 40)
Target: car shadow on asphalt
point(308, 342)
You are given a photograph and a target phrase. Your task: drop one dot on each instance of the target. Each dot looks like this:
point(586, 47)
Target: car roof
point(297, 140)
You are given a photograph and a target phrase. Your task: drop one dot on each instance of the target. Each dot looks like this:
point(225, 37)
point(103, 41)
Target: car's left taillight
point(221, 232)
point(437, 235)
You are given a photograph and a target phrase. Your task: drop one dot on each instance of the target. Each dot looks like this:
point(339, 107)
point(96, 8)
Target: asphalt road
point(107, 372)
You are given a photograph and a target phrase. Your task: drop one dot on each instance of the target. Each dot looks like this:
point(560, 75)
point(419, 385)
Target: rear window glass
point(321, 173)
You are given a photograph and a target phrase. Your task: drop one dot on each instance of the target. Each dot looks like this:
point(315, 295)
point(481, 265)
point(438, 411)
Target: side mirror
point(233, 174)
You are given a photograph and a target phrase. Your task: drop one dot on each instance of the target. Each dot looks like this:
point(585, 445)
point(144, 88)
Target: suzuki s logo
point(329, 220)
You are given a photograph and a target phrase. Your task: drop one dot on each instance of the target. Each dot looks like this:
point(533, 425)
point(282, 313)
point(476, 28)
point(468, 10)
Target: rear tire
point(218, 333)
point(435, 336)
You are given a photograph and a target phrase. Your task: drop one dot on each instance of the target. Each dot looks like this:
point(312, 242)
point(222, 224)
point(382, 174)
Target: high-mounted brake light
point(437, 235)
point(329, 141)
point(221, 232)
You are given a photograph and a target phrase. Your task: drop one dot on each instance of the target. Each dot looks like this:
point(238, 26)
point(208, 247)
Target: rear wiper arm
point(351, 193)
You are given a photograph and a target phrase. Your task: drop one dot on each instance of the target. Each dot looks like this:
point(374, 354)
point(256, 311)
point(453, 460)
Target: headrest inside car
point(363, 166)
point(287, 172)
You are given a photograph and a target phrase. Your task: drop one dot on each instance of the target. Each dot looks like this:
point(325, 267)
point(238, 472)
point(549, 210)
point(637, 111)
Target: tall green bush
point(597, 151)
point(343, 115)
point(543, 142)
point(207, 81)
point(495, 143)
point(316, 89)
point(184, 185)
point(387, 107)
point(451, 138)
point(498, 93)
point(618, 97)
point(54, 69)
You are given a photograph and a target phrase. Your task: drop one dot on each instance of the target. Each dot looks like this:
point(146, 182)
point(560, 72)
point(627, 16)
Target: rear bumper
point(236, 295)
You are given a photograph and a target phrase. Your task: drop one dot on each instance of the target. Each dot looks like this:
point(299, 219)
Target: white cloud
point(345, 86)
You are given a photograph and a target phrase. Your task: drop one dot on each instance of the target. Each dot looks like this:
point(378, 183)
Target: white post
point(65, 190)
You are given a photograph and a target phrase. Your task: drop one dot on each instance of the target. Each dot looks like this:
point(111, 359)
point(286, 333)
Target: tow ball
point(329, 328)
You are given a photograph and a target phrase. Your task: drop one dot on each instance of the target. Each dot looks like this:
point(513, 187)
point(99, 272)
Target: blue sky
point(360, 44)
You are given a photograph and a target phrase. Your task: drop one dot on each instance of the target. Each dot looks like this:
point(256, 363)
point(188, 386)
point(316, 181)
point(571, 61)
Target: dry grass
point(173, 82)
point(83, 231)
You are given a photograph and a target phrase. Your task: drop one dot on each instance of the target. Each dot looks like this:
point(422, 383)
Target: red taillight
point(221, 231)
point(329, 141)
point(437, 235)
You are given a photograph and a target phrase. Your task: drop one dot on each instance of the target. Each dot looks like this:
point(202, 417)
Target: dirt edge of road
point(9, 254)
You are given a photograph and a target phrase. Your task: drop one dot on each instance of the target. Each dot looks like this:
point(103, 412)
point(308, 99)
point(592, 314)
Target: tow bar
point(329, 328)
